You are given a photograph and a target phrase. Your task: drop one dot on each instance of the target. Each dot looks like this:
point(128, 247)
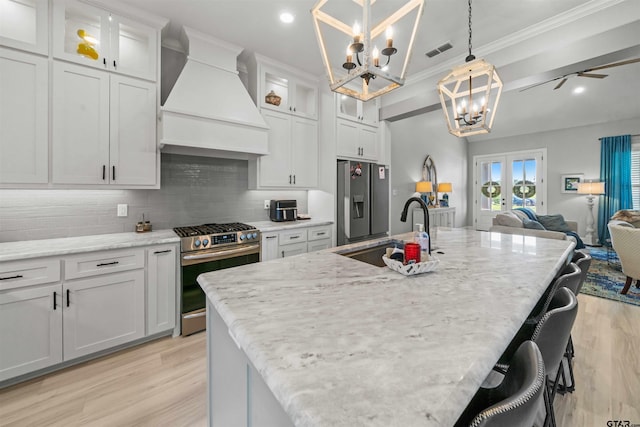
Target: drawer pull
point(321, 233)
point(294, 237)
point(162, 252)
point(18, 276)
point(107, 263)
point(68, 297)
point(270, 237)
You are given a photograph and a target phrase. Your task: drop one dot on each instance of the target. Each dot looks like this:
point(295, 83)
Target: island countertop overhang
point(340, 342)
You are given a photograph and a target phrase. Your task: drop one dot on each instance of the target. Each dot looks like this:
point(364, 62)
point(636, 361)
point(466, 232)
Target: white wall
point(575, 150)
point(412, 140)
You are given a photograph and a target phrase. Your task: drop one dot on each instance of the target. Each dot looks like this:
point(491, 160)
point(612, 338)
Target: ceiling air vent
point(439, 50)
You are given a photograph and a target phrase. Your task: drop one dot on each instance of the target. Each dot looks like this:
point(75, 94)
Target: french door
point(508, 181)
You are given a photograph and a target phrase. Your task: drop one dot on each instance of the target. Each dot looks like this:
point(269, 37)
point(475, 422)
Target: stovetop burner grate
point(205, 229)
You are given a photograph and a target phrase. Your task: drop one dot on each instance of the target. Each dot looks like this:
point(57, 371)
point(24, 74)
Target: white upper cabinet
point(297, 94)
point(356, 140)
point(104, 128)
point(24, 24)
point(98, 38)
point(24, 143)
point(359, 111)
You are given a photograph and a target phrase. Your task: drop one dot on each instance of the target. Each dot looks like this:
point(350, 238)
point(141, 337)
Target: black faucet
point(424, 207)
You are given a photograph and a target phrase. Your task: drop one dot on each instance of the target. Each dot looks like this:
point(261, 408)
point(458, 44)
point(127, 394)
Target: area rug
point(605, 279)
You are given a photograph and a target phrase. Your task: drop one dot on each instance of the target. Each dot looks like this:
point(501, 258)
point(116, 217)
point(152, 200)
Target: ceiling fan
point(584, 73)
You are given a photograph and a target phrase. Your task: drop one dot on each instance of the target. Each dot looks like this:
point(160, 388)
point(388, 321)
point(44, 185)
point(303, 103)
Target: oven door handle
point(223, 254)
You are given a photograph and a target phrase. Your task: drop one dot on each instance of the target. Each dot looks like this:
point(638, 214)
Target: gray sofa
point(505, 223)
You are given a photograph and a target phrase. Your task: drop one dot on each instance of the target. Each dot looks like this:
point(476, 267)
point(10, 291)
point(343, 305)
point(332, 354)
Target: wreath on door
point(524, 189)
point(490, 189)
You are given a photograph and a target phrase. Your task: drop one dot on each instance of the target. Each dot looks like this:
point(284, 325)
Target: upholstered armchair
point(625, 240)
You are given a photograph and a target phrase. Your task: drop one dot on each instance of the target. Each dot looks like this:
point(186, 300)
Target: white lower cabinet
point(161, 288)
point(104, 299)
point(30, 329)
point(295, 241)
point(103, 312)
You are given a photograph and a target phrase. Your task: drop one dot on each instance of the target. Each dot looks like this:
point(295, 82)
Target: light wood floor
point(163, 383)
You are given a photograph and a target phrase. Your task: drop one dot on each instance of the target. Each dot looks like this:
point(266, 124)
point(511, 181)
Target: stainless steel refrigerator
point(363, 201)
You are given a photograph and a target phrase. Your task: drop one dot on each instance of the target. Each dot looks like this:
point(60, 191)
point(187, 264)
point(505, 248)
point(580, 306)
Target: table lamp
point(592, 189)
point(423, 187)
point(445, 187)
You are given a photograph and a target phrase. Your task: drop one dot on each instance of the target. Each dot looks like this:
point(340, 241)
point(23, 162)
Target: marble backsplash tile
point(194, 190)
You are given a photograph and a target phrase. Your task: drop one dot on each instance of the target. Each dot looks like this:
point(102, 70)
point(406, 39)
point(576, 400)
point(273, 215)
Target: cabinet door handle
point(104, 172)
point(107, 263)
point(162, 252)
point(270, 237)
point(104, 61)
point(17, 276)
point(54, 300)
point(68, 297)
point(282, 254)
point(294, 108)
point(113, 172)
point(114, 64)
point(294, 179)
point(289, 179)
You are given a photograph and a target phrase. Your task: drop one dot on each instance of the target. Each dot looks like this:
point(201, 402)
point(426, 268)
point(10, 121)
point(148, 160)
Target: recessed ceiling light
point(578, 90)
point(286, 17)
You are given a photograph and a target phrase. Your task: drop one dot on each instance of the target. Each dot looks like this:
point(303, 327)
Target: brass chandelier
point(362, 56)
point(469, 95)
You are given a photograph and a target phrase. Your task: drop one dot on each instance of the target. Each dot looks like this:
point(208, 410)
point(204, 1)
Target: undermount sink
point(372, 254)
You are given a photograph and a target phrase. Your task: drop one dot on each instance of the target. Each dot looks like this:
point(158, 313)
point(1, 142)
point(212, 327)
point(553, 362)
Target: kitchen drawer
point(292, 236)
point(18, 274)
point(97, 263)
point(317, 245)
point(292, 249)
point(319, 233)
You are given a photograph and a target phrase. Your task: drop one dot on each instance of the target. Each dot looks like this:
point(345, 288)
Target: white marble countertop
point(11, 251)
point(269, 226)
point(343, 343)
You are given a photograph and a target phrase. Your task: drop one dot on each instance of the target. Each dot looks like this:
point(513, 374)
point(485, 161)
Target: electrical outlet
point(267, 204)
point(122, 210)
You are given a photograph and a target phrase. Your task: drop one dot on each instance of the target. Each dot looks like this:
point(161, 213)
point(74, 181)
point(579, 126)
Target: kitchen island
point(324, 340)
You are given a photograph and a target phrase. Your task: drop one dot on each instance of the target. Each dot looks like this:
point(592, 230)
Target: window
point(635, 174)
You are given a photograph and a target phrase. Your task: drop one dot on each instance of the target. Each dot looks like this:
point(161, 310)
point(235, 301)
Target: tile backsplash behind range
point(194, 190)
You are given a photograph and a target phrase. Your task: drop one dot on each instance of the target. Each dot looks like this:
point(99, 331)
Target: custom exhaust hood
point(208, 112)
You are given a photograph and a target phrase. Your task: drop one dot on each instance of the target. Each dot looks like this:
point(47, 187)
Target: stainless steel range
point(211, 247)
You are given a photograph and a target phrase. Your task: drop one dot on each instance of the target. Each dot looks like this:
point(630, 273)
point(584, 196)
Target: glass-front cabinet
point(288, 93)
point(353, 109)
point(95, 37)
point(24, 25)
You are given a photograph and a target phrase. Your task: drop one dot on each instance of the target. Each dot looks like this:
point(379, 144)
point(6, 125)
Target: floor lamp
point(592, 189)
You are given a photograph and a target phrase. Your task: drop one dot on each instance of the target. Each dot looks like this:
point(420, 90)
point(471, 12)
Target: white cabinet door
point(293, 249)
point(102, 312)
point(95, 37)
point(24, 144)
point(269, 249)
point(161, 288)
point(368, 141)
point(80, 125)
point(24, 24)
point(133, 48)
point(133, 132)
point(304, 152)
point(317, 245)
point(347, 139)
point(275, 168)
point(30, 329)
point(356, 110)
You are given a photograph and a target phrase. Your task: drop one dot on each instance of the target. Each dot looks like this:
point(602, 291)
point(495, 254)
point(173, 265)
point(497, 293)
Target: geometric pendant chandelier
point(373, 64)
point(469, 95)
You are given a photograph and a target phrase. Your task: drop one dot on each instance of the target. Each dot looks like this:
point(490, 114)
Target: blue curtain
point(615, 171)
